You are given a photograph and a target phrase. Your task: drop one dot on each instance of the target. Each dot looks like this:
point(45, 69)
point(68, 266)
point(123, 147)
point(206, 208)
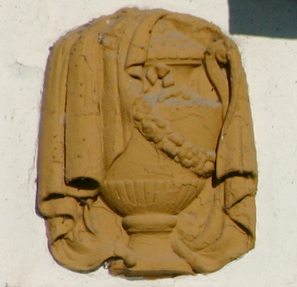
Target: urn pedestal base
point(152, 249)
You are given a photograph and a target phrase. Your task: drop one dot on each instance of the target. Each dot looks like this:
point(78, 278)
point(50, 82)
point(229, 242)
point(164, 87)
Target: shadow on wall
point(273, 18)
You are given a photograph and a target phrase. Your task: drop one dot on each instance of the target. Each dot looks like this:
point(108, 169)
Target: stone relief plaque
point(146, 156)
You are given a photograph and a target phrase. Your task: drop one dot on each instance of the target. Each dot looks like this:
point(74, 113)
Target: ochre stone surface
point(146, 154)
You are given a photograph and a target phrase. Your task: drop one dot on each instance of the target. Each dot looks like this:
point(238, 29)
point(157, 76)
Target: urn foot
point(154, 255)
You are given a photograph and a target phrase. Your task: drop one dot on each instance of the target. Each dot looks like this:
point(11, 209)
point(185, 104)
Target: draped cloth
point(85, 126)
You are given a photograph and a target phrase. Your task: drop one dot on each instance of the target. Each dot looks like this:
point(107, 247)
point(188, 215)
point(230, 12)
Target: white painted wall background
point(27, 29)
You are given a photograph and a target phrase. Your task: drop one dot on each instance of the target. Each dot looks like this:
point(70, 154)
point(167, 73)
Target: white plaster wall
point(27, 29)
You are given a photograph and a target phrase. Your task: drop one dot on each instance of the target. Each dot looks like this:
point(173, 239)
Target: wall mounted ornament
point(146, 156)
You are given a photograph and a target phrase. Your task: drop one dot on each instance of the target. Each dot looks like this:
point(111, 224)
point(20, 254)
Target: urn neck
point(149, 222)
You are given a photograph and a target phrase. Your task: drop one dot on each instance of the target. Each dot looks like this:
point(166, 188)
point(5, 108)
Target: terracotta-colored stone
point(146, 155)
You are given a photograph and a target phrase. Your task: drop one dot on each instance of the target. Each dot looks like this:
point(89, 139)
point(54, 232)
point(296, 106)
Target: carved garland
point(160, 132)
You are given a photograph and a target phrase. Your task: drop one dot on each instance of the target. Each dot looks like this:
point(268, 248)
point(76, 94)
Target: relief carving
point(146, 156)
